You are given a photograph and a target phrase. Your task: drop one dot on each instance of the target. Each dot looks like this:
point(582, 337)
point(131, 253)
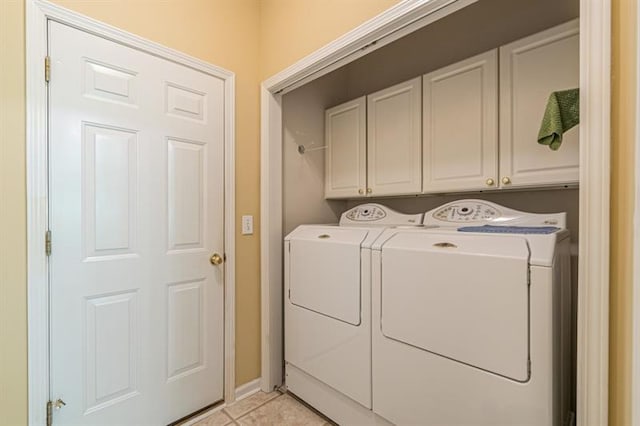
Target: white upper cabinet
point(469, 126)
point(530, 69)
point(346, 154)
point(460, 126)
point(394, 146)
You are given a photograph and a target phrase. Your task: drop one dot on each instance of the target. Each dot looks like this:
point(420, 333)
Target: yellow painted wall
point(623, 79)
point(292, 29)
point(13, 291)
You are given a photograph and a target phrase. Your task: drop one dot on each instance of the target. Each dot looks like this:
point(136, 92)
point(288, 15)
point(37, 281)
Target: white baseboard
point(248, 389)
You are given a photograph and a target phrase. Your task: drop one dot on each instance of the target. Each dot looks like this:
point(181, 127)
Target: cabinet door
point(530, 69)
point(346, 154)
point(460, 125)
point(393, 140)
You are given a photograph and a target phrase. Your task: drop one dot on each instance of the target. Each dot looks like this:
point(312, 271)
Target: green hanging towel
point(561, 114)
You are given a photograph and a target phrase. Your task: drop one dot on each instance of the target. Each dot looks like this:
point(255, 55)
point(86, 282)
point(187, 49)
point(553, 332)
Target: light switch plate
point(247, 225)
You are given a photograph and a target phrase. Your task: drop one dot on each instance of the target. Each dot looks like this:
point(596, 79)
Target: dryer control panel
point(480, 212)
point(367, 214)
point(467, 212)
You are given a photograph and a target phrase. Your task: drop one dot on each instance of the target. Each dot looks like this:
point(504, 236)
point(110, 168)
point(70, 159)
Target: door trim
point(635, 301)
point(38, 12)
point(405, 17)
point(593, 264)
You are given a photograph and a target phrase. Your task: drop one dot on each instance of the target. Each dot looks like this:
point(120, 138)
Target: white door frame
point(405, 17)
point(38, 12)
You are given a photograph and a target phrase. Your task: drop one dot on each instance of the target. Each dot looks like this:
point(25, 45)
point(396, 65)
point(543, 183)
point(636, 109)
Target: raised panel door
point(394, 145)
point(530, 70)
point(136, 176)
point(460, 125)
point(346, 154)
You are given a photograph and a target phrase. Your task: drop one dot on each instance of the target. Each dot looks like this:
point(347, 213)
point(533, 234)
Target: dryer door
point(324, 268)
point(464, 297)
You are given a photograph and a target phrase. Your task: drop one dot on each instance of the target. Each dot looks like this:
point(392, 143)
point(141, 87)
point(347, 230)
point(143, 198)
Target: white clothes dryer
point(327, 275)
point(471, 321)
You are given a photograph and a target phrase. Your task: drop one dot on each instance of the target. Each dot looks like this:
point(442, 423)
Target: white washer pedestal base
point(331, 403)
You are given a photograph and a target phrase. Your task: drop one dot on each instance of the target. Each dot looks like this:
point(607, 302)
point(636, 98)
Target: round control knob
point(369, 190)
point(506, 180)
point(360, 191)
point(490, 182)
point(465, 211)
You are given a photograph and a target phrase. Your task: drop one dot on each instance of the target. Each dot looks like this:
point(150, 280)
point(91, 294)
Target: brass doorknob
point(360, 191)
point(506, 180)
point(490, 182)
point(369, 191)
point(216, 259)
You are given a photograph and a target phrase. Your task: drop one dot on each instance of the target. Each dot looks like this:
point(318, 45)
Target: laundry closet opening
point(504, 58)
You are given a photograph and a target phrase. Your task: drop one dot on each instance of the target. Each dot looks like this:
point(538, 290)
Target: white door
point(136, 210)
point(460, 125)
point(530, 69)
point(346, 155)
point(394, 145)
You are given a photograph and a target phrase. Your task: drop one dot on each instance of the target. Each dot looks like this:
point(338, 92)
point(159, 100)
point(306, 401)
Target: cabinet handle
point(360, 191)
point(490, 182)
point(506, 180)
point(369, 191)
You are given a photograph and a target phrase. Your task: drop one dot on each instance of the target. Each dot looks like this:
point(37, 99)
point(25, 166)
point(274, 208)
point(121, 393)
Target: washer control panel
point(467, 212)
point(371, 213)
point(366, 213)
point(480, 212)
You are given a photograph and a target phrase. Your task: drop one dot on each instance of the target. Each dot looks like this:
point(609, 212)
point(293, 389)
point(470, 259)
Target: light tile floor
point(262, 408)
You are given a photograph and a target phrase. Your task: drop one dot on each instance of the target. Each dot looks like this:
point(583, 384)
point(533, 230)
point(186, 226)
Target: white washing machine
point(471, 321)
point(327, 274)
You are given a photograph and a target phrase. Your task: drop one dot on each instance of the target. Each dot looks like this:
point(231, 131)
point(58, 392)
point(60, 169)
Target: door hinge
point(51, 405)
point(47, 243)
point(49, 413)
point(47, 68)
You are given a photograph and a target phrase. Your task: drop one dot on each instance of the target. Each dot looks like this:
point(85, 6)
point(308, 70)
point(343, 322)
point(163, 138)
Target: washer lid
point(462, 297)
point(542, 247)
point(324, 271)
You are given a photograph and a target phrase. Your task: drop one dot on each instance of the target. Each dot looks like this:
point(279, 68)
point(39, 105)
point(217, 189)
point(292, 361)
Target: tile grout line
point(233, 421)
point(259, 406)
point(252, 410)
